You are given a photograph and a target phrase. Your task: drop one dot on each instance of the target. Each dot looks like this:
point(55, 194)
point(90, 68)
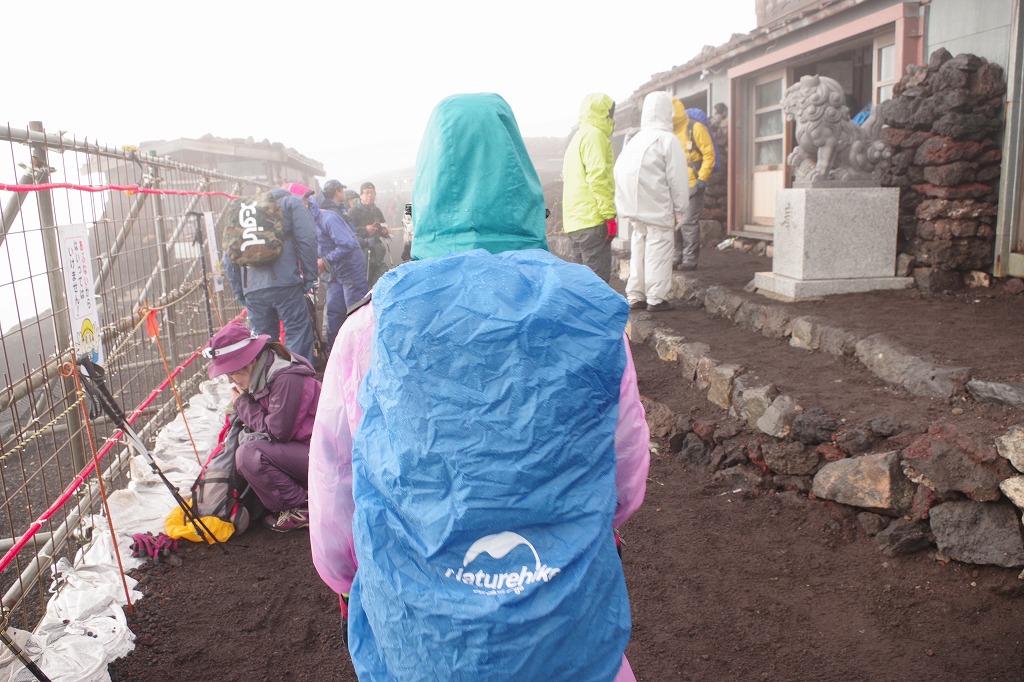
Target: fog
point(348, 84)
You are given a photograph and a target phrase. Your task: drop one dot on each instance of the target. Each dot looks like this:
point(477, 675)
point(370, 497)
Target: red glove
point(613, 228)
point(156, 547)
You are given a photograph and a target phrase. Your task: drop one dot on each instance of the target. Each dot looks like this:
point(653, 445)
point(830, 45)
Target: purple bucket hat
point(232, 348)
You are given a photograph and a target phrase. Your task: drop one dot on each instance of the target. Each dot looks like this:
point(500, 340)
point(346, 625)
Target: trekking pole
point(69, 369)
point(20, 654)
point(153, 329)
point(97, 390)
point(201, 240)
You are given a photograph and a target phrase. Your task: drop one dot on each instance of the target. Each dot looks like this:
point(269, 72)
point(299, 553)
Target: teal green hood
point(475, 186)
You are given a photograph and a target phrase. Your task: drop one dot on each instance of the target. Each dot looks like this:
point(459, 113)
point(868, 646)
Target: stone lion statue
point(829, 146)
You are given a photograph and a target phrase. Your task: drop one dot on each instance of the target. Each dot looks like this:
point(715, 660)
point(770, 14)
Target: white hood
point(657, 112)
point(651, 176)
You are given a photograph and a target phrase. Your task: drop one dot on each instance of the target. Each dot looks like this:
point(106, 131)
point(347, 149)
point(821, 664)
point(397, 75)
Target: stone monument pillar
point(835, 230)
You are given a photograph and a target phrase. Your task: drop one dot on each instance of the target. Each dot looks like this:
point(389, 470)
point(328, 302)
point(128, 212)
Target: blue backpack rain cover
point(484, 474)
point(700, 116)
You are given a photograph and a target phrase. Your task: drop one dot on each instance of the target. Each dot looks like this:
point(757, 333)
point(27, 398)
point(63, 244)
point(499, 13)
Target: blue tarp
point(484, 474)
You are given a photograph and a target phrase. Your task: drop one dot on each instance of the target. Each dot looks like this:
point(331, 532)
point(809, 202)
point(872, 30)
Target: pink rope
point(105, 188)
point(84, 474)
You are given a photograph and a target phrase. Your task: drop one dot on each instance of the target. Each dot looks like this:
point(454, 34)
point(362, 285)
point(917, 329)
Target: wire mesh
point(144, 254)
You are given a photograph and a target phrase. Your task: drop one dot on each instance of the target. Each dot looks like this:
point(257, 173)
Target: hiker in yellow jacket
point(588, 189)
point(700, 156)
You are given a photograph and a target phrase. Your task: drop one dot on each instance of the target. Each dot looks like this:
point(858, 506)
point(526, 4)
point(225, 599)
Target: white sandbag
point(85, 628)
point(109, 628)
point(83, 591)
point(140, 509)
point(71, 658)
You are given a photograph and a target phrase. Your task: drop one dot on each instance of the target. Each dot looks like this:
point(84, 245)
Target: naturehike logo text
point(498, 546)
point(247, 219)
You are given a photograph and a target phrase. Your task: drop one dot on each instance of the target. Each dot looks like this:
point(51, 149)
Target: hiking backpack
point(699, 116)
point(220, 490)
point(253, 230)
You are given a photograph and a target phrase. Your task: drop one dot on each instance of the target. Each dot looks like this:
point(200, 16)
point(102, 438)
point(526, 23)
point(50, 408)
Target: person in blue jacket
point(479, 436)
point(274, 294)
point(341, 257)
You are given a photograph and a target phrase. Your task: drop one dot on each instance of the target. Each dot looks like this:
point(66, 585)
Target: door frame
point(750, 221)
point(1009, 244)
point(905, 21)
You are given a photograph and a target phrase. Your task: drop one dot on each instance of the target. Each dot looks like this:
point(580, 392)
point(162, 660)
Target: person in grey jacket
point(276, 293)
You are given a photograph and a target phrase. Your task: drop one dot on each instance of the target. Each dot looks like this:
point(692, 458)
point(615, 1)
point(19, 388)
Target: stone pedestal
point(833, 241)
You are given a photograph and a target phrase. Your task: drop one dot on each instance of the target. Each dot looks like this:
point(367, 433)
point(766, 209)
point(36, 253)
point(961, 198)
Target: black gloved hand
point(698, 188)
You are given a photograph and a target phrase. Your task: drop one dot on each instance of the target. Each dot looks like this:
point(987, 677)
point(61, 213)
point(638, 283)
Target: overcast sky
point(350, 84)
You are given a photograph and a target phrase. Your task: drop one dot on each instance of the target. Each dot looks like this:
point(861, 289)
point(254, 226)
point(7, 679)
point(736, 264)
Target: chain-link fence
point(145, 221)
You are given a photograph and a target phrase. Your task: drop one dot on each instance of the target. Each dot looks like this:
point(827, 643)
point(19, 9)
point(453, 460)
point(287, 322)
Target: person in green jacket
point(588, 188)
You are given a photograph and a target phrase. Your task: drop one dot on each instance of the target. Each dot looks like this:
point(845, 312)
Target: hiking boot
point(289, 519)
point(659, 307)
point(686, 266)
point(637, 305)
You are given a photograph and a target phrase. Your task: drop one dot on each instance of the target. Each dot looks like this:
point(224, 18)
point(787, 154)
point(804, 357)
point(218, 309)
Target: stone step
point(883, 357)
point(944, 463)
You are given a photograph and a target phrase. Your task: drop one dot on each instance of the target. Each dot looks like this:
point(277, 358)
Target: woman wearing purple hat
point(275, 395)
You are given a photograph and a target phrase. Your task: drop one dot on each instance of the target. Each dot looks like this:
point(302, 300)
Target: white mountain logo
point(498, 546)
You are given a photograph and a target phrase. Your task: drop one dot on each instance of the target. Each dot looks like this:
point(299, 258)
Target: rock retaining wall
point(943, 488)
point(716, 198)
point(944, 122)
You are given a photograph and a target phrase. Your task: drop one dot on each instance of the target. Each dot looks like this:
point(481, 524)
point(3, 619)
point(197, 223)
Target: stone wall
point(715, 197)
point(944, 123)
point(946, 484)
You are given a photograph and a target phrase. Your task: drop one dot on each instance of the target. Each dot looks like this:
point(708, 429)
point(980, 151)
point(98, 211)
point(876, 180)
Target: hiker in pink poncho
point(510, 240)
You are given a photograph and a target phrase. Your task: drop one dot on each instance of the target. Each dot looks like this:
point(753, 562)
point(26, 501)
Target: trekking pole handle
point(20, 654)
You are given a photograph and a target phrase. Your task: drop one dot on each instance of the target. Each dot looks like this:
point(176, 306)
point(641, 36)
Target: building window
point(885, 68)
point(769, 122)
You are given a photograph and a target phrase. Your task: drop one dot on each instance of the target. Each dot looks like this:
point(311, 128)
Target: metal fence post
point(15, 204)
point(58, 301)
point(204, 255)
point(164, 260)
point(107, 267)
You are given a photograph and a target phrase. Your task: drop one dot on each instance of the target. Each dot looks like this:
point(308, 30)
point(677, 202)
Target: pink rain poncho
point(479, 435)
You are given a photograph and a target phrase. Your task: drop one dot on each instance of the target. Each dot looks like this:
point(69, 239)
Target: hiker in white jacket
point(651, 191)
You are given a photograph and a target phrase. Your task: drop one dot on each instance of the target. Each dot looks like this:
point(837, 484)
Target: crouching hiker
point(275, 395)
point(480, 435)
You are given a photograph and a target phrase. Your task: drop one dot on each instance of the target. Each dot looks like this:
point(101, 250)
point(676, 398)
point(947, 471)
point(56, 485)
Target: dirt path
point(778, 588)
point(723, 585)
point(771, 585)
